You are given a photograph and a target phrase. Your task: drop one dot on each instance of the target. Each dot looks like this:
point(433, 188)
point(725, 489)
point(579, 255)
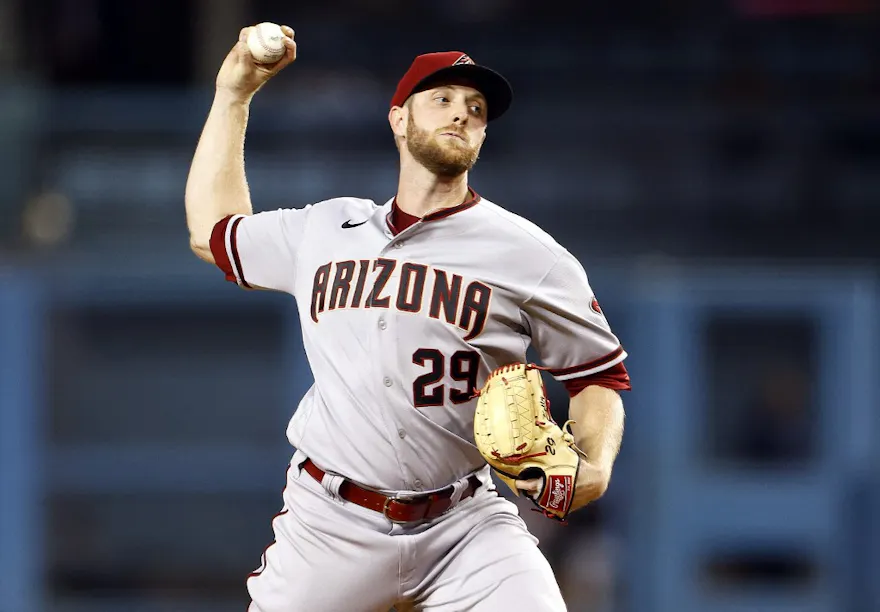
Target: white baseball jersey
point(401, 329)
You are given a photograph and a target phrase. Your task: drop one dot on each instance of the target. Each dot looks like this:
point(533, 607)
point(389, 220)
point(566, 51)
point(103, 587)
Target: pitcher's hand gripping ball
point(265, 41)
point(516, 435)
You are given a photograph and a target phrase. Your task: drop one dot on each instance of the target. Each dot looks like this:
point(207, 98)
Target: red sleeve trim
point(231, 267)
point(218, 248)
point(233, 246)
point(616, 377)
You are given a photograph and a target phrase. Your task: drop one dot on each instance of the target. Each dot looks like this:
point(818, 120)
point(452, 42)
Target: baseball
point(266, 43)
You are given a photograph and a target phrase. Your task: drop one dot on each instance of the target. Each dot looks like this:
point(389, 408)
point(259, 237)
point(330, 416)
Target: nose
point(461, 115)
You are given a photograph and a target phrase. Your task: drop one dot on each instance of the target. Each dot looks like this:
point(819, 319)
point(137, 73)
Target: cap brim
point(496, 89)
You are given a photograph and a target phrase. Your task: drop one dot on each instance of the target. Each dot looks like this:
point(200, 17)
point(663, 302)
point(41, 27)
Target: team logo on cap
point(464, 59)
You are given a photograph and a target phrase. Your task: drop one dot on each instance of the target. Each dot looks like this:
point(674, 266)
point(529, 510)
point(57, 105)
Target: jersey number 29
point(463, 367)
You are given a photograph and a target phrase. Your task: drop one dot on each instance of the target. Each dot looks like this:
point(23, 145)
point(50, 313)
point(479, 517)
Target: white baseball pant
point(330, 555)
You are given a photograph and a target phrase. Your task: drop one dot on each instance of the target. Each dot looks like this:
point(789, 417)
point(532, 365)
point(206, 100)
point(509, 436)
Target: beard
point(448, 159)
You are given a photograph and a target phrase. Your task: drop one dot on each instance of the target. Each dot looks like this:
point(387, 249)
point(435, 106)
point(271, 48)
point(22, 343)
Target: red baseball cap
point(431, 69)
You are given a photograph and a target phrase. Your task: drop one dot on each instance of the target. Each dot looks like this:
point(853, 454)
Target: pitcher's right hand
point(241, 76)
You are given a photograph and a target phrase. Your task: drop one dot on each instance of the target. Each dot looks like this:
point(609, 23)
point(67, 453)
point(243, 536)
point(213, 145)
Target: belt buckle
point(399, 500)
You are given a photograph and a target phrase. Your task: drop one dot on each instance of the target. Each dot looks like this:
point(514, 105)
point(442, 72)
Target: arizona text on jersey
point(401, 327)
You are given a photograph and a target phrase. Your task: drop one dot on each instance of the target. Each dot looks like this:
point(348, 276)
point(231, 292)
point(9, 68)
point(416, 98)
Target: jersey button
point(387, 382)
point(418, 484)
point(399, 245)
point(383, 324)
point(401, 433)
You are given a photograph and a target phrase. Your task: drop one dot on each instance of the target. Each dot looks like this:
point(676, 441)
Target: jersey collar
point(473, 200)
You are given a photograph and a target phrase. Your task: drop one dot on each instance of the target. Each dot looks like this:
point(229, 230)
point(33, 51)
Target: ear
point(397, 117)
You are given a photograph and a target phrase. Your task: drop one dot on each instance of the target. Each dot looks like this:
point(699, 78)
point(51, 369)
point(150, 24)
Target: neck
point(420, 192)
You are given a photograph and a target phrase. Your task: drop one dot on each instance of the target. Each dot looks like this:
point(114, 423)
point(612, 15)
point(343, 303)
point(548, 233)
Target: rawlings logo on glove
point(558, 493)
point(516, 435)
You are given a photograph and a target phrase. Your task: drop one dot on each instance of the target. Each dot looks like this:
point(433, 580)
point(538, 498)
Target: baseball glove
point(515, 433)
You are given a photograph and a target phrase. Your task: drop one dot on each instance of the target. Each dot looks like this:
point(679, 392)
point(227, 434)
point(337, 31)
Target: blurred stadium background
point(715, 164)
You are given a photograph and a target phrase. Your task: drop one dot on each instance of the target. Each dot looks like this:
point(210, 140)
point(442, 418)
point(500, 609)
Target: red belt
point(398, 509)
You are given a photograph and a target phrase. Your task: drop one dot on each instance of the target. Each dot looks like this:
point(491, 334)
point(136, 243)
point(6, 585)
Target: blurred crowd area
point(714, 164)
point(740, 128)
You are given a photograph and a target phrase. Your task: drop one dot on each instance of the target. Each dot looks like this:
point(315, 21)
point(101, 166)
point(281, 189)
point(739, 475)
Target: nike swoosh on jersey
point(348, 224)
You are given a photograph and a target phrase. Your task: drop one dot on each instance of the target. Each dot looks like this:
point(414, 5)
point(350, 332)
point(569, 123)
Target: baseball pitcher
point(416, 316)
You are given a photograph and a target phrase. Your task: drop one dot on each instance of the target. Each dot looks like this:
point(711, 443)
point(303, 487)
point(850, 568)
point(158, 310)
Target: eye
point(441, 99)
point(476, 109)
